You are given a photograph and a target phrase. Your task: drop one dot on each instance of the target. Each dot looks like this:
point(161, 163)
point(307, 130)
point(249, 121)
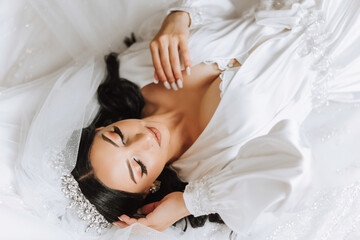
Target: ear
point(98, 129)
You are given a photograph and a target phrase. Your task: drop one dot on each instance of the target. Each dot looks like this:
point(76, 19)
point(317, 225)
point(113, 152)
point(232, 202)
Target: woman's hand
point(160, 215)
point(172, 37)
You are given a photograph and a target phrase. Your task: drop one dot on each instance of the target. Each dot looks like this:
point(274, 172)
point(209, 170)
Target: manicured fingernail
point(179, 83)
point(120, 219)
point(156, 81)
point(188, 71)
point(174, 86)
point(167, 85)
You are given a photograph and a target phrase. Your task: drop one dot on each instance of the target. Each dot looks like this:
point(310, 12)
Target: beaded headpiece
point(85, 210)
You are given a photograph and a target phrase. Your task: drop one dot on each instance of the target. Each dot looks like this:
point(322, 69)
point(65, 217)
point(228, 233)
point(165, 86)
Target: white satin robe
point(251, 164)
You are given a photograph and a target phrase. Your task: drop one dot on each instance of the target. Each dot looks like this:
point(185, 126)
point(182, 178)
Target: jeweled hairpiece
point(85, 210)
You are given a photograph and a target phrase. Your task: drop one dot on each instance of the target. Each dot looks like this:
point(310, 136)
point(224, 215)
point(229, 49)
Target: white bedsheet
point(31, 47)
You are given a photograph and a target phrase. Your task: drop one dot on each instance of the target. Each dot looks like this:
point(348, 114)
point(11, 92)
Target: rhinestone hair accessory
point(85, 210)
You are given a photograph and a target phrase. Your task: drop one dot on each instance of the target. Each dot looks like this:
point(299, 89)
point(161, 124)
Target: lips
point(156, 134)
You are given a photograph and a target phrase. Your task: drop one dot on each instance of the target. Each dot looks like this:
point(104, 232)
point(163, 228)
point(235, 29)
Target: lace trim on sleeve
point(197, 197)
point(196, 18)
point(277, 4)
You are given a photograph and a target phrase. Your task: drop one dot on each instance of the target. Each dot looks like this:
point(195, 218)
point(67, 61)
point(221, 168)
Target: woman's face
point(129, 155)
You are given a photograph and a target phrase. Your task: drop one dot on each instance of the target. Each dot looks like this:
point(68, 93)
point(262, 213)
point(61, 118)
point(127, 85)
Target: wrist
point(185, 210)
point(181, 16)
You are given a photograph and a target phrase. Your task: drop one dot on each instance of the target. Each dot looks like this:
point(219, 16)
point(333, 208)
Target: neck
point(175, 121)
point(180, 139)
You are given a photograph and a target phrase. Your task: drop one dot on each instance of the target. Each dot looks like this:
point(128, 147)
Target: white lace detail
point(316, 43)
point(197, 197)
point(277, 4)
point(311, 21)
point(224, 65)
point(196, 14)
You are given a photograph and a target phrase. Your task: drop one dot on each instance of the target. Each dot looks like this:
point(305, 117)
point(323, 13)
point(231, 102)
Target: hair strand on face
point(89, 174)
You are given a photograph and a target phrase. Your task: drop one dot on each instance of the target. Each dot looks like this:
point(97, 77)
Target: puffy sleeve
point(204, 11)
point(267, 174)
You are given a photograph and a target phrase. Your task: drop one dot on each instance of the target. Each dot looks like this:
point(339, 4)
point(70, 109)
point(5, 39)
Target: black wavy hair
point(121, 99)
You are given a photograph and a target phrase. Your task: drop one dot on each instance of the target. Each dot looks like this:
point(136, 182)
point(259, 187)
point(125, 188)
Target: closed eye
point(143, 168)
point(117, 131)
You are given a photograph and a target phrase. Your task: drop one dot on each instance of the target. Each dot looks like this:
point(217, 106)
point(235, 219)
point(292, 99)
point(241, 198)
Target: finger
point(165, 63)
point(121, 224)
point(150, 222)
point(132, 221)
point(175, 64)
point(144, 221)
point(185, 55)
point(128, 220)
point(157, 64)
point(152, 216)
point(148, 208)
point(156, 78)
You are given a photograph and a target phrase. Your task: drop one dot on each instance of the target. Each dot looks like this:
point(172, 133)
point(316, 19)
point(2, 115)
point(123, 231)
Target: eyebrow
point(131, 172)
point(109, 140)
point(128, 163)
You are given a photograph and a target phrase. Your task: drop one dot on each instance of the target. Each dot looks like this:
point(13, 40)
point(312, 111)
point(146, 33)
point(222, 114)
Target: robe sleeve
point(266, 175)
point(204, 11)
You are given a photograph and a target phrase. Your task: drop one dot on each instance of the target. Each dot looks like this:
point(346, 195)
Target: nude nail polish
point(179, 83)
point(174, 86)
point(167, 85)
point(188, 71)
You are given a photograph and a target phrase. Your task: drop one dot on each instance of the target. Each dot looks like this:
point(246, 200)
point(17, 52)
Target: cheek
point(156, 166)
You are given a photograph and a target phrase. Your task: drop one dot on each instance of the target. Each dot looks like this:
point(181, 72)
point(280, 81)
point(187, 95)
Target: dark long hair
point(121, 99)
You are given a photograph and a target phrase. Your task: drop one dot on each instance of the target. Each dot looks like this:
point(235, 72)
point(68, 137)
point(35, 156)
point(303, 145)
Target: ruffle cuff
point(196, 19)
point(197, 197)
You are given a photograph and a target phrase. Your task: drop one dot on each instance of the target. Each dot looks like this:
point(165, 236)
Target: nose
point(144, 141)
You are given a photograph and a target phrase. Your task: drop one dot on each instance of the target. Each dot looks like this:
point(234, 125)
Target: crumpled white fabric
point(291, 63)
point(267, 176)
point(51, 57)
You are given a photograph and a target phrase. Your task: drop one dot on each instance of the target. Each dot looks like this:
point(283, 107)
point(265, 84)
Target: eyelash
point(143, 168)
point(117, 131)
